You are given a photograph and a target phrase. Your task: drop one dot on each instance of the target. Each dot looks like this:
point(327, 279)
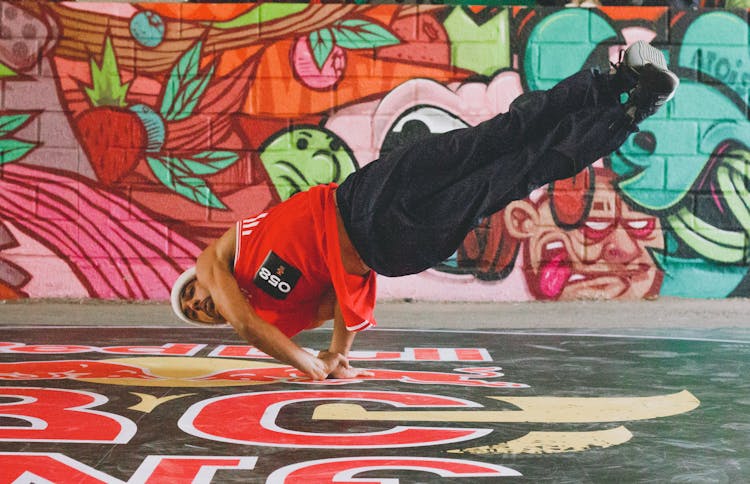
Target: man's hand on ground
point(344, 369)
point(318, 368)
point(349, 372)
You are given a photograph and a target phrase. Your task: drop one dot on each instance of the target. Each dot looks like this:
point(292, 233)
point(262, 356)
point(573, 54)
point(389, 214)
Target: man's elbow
point(208, 267)
point(246, 334)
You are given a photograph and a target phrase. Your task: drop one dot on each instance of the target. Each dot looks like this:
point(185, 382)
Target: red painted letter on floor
point(158, 469)
point(31, 468)
point(343, 471)
point(250, 419)
point(56, 415)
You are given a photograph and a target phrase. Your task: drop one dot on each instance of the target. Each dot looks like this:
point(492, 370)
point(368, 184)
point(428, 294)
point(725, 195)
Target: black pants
point(412, 208)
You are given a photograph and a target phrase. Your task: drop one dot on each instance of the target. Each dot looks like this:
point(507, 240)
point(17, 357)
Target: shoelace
point(619, 60)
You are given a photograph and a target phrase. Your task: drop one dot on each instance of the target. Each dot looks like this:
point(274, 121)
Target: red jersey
point(288, 257)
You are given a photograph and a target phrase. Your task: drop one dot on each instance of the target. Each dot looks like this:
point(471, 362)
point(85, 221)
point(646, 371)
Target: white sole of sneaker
point(642, 53)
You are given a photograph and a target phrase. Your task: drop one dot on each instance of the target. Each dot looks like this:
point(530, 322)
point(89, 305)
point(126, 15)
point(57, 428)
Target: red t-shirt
point(288, 257)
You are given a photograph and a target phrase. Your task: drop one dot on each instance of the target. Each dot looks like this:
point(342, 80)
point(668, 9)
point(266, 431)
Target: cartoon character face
point(303, 157)
point(606, 256)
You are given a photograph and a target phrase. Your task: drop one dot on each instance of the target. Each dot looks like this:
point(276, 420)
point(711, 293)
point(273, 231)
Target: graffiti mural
point(132, 134)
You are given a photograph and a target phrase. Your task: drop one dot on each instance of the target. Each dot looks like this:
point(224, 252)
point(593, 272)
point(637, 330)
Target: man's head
point(192, 303)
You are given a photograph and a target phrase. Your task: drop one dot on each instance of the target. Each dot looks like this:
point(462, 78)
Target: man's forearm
point(274, 343)
point(342, 339)
point(232, 304)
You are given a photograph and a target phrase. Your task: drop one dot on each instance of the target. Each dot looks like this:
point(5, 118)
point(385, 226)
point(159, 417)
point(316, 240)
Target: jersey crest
point(276, 277)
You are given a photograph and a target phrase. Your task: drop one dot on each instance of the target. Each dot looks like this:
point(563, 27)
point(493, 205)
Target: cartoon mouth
point(557, 273)
point(325, 156)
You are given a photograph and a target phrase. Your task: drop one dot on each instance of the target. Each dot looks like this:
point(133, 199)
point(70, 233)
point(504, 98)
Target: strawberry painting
point(113, 139)
point(117, 135)
point(111, 136)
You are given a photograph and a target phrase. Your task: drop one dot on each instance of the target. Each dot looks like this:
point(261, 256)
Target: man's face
point(606, 257)
point(197, 304)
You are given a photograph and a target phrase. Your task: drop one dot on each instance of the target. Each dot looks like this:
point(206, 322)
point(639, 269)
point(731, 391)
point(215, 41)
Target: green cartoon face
point(304, 157)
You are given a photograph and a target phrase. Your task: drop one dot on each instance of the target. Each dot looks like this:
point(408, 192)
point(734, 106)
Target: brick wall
point(133, 134)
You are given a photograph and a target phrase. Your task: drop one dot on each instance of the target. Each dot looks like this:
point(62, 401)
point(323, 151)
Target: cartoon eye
point(641, 229)
point(597, 229)
point(335, 145)
point(302, 144)
point(419, 122)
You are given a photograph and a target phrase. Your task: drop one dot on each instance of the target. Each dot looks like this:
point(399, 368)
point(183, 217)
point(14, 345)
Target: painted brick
point(554, 57)
point(668, 130)
point(357, 97)
point(732, 27)
point(707, 208)
point(465, 26)
point(493, 56)
point(701, 102)
point(71, 159)
point(297, 11)
point(24, 95)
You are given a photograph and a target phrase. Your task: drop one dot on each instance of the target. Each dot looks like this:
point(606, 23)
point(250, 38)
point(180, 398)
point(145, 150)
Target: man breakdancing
point(314, 257)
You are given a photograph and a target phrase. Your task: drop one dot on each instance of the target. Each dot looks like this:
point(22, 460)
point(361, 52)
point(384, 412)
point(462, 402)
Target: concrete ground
point(674, 316)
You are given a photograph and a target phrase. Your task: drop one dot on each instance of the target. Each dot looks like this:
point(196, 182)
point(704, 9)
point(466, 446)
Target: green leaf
point(188, 96)
point(11, 122)
point(196, 190)
point(187, 66)
point(108, 89)
point(182, 73)
point(211, 156)
point(6, 71)
point(361, 34)
point(321, 43)
point(169, 171)
point(161, 170)
point(177, 166)
point(210, 162)
point(13, 149)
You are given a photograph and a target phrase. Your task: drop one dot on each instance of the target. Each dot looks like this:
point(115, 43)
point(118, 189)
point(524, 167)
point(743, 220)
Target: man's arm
point(341, 343)
point(214, 273)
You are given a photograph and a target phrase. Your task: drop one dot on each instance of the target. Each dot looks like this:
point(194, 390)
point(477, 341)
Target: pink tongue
point(553, 276)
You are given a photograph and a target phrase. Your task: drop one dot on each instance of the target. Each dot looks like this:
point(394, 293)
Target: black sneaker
point(655, 87)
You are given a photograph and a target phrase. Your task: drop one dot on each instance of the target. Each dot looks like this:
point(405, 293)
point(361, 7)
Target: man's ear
point(521, 219)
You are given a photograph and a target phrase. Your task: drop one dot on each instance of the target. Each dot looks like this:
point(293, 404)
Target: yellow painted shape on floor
point(150, 402)
point(183, 371)
point(532, 409)
point(554, 442)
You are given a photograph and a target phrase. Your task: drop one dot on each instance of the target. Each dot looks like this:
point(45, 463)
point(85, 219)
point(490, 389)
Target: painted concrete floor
point(135, 397)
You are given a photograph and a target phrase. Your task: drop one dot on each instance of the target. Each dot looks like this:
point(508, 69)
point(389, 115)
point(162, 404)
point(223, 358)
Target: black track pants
point(411, 209)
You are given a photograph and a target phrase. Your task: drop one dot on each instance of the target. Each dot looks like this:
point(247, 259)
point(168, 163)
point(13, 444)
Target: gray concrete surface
point(660, 314)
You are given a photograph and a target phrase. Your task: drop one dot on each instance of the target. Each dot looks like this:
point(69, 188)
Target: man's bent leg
point(412, 207)
point(537, 112)
point(578, 141)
